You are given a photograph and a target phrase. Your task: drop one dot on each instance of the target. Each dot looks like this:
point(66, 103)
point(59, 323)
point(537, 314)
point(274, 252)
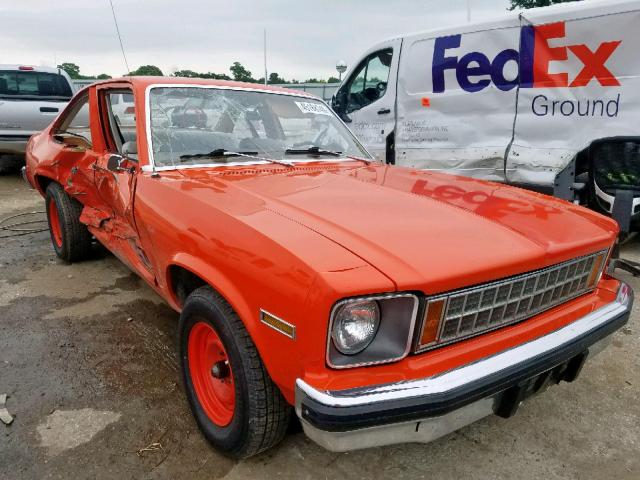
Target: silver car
point(30, 98)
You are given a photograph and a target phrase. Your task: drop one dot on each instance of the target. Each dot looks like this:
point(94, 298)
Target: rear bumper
point(423, 410)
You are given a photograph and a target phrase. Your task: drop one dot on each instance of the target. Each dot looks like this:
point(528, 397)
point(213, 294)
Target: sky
point(304, 38)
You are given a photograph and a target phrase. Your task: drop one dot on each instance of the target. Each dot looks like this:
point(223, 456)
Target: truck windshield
point(29, 85)
point(200, 125)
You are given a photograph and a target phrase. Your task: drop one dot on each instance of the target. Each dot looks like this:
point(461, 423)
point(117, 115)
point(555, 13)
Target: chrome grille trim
point(472, 311)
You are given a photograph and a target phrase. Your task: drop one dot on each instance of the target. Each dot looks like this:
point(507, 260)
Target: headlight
point(355, 326)
point(371, 330)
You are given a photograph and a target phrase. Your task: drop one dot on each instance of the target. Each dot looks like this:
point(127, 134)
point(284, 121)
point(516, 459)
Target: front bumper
point(425, 409)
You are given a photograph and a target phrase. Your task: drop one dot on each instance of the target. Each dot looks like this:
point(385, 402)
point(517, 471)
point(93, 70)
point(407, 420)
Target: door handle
point(384, 111)
point(48, 109)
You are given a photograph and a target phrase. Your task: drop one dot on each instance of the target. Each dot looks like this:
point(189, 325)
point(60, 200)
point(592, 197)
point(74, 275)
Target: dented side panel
point(516, 99)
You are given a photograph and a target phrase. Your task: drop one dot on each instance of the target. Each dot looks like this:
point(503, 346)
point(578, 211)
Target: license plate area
point(510, 400)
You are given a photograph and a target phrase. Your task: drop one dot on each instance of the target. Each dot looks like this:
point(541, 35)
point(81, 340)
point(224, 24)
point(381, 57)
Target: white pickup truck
point(30, 98)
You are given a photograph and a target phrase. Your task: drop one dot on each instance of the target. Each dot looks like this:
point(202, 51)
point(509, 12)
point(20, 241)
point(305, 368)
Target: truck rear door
point(580, 82)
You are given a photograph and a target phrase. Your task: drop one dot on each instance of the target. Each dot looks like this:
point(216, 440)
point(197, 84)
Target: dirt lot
point(87, 357)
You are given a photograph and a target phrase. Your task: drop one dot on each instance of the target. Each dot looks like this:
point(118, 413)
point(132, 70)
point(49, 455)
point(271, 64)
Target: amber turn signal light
point(596, 270)
point(431, 324)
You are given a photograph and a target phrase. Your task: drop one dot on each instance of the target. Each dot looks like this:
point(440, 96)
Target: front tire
point(71, 240)
point(236, 405)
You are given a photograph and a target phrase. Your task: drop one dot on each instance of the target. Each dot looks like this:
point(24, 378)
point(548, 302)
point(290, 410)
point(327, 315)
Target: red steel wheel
point(211, 374)
point(70, 237)
point(54, 222)
point(235, 403)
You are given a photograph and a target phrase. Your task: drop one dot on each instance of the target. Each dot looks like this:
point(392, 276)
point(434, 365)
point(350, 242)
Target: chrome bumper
point(426, 409)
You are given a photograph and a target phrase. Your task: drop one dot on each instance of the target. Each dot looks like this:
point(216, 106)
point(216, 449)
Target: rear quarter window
point(34, 85)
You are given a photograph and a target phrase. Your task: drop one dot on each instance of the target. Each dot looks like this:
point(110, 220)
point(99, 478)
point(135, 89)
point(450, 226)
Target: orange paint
point(294, 241)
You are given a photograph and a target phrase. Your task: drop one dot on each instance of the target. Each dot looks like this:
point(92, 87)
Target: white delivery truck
point(544, 98)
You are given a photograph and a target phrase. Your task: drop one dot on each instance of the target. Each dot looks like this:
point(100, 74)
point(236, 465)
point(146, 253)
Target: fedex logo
point(474, 71)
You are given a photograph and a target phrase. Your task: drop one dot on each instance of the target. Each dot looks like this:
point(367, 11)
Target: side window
point(121, 115)
point(369, 83)
point(76, 124)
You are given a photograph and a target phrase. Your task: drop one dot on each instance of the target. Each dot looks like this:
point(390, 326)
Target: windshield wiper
point(218, 152)
point(313, 150)
point(221, 152)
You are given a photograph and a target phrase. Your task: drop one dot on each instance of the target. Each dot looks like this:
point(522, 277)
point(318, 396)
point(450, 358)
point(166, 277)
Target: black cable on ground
point(23, 230)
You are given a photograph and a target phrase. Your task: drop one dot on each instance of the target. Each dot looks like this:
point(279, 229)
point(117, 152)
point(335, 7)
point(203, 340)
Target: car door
point(116, 169)
point(369, 99)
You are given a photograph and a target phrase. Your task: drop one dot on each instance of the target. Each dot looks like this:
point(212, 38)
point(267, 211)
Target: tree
point(151, 70)
point(334, 80)
point(536, 3)
point(314, 80)
point(274, 78)
point(192, 74)
point(240, 73)
point(72, 69)
point(186, 74)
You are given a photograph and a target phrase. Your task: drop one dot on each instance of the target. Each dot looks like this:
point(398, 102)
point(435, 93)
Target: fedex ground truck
point(547, 98)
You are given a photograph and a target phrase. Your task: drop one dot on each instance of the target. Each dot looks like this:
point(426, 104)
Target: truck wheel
point(236, 404)
point(71, 240)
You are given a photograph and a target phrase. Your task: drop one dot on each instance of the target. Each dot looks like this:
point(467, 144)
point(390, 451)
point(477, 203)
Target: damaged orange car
point(380, 304)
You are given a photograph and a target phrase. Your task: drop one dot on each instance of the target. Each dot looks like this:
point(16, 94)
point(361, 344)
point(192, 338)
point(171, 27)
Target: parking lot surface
point(87, 359)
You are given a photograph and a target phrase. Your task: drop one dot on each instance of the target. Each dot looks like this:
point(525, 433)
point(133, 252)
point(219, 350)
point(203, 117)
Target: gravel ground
point(87, 359)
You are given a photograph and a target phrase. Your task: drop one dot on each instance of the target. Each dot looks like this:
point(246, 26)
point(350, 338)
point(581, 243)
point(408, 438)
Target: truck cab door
point(366, 101)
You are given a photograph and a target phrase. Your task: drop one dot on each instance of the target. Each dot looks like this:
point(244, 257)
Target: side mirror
point(339, 101)
point(114, 164)
point(339, 104)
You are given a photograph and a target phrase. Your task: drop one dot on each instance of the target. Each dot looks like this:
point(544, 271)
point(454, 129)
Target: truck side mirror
point(339, 104)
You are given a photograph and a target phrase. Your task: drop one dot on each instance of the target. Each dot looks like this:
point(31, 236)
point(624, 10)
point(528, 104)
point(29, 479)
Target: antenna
point(265, 56)
point(115, 20)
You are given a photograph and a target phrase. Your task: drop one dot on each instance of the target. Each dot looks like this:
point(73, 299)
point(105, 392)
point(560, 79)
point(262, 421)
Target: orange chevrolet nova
point(380, 304)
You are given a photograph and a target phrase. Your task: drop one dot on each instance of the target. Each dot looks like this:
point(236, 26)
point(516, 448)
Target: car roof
point(142, 82)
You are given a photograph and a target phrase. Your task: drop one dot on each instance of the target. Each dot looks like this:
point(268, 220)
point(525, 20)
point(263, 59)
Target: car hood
point(423, 230)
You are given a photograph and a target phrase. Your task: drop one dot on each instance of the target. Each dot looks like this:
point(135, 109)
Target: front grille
point(472, 311)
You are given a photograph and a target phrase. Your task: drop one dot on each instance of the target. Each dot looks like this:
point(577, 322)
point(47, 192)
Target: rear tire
point(71, 240)
point(241, 413)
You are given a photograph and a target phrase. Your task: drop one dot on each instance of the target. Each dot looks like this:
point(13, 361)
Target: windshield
point(196, 125)
point(34, 85)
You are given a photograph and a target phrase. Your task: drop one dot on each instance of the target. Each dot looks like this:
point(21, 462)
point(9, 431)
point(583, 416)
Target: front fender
point(213, 277)
point(279, 353)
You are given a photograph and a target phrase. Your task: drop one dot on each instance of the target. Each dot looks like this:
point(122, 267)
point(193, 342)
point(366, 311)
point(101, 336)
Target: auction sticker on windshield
point(312, 107)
